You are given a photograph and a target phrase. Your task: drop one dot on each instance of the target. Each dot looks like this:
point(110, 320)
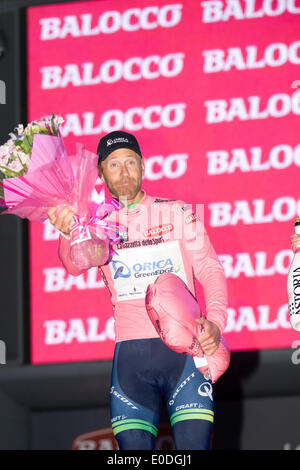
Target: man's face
point(122, 171)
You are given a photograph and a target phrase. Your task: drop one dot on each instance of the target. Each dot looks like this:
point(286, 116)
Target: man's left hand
point(209, 338)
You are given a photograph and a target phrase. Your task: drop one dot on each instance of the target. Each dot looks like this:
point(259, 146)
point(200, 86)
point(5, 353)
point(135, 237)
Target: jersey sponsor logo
point(159, 230)
point(123, 399)
point(123, 235)
point(186, 207)
point(118, 418)
point(122, 245)
point(191, 218)
point(188, 405)
point(133, 269)
point(205, 390)
point(195, 345)
point(121, 269)
point(139, 269)
point(136, 243)
point(153, 241)
point(164, 200)
point(188, 379)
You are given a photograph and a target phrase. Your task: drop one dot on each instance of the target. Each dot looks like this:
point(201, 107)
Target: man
point(161, 237)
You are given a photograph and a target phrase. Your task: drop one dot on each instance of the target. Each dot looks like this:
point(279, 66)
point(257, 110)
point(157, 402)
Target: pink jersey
point(162, 235)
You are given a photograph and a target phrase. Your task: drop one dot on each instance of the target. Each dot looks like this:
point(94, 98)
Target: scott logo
point(157, 231)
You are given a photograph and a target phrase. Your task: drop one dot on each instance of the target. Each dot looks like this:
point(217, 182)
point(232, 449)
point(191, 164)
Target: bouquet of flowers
point(36, 173)
point(16, 152)
point(26, 160)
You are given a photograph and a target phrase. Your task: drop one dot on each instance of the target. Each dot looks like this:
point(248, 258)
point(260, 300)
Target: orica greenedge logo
point(143, 269)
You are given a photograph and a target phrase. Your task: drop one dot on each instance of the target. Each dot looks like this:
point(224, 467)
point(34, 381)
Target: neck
point(127, 202)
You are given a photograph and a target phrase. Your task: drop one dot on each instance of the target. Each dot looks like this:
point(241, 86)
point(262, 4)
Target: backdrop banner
point(214, 103)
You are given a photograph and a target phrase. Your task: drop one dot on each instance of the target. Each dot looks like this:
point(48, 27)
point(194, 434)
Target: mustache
point(127, 180)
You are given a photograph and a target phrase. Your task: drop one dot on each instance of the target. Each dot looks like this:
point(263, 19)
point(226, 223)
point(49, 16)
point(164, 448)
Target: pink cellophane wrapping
point(173, 309)
point(56, 179)
point(91, 237)
point(92, 252)
point(48, 182)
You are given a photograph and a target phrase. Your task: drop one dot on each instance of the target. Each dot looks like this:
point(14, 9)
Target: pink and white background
point(211, 91)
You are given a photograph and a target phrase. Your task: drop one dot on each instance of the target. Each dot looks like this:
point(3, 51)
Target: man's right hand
point(295, 241)
point(62, 218)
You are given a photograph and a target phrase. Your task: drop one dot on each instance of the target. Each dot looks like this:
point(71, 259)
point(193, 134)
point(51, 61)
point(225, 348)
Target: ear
point(143, 166)
point(100, 172)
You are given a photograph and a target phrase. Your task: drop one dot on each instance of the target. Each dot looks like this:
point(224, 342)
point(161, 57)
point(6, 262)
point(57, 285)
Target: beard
point(126, 189)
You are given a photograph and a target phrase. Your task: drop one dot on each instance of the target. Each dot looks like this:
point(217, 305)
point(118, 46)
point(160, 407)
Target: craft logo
point(2, 92)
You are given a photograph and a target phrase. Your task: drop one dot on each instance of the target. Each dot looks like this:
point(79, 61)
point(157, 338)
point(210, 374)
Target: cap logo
point(117, 140)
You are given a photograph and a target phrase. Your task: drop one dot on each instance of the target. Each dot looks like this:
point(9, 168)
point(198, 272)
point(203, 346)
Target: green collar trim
point(133, 204)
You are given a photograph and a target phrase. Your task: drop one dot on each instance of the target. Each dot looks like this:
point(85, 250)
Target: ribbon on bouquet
point(80, 230)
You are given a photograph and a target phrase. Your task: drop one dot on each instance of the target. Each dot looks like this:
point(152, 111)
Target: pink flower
point(16, 165)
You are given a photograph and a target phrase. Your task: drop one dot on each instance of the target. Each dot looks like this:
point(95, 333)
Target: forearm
point(210, 273)
point(207, 269)
point(214, 286)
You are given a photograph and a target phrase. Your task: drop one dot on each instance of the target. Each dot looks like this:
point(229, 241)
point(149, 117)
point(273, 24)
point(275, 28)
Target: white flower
point(26, 160)
point(4, 159)
point(23, 157)
point(20, 129)
point(58, 120)
point(35, 128)
point(45, 119)
point(16, 165)
point(3, 151)
point(7, 147)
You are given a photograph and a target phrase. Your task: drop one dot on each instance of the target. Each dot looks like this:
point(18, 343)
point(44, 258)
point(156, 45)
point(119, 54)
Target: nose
point(124, 169)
